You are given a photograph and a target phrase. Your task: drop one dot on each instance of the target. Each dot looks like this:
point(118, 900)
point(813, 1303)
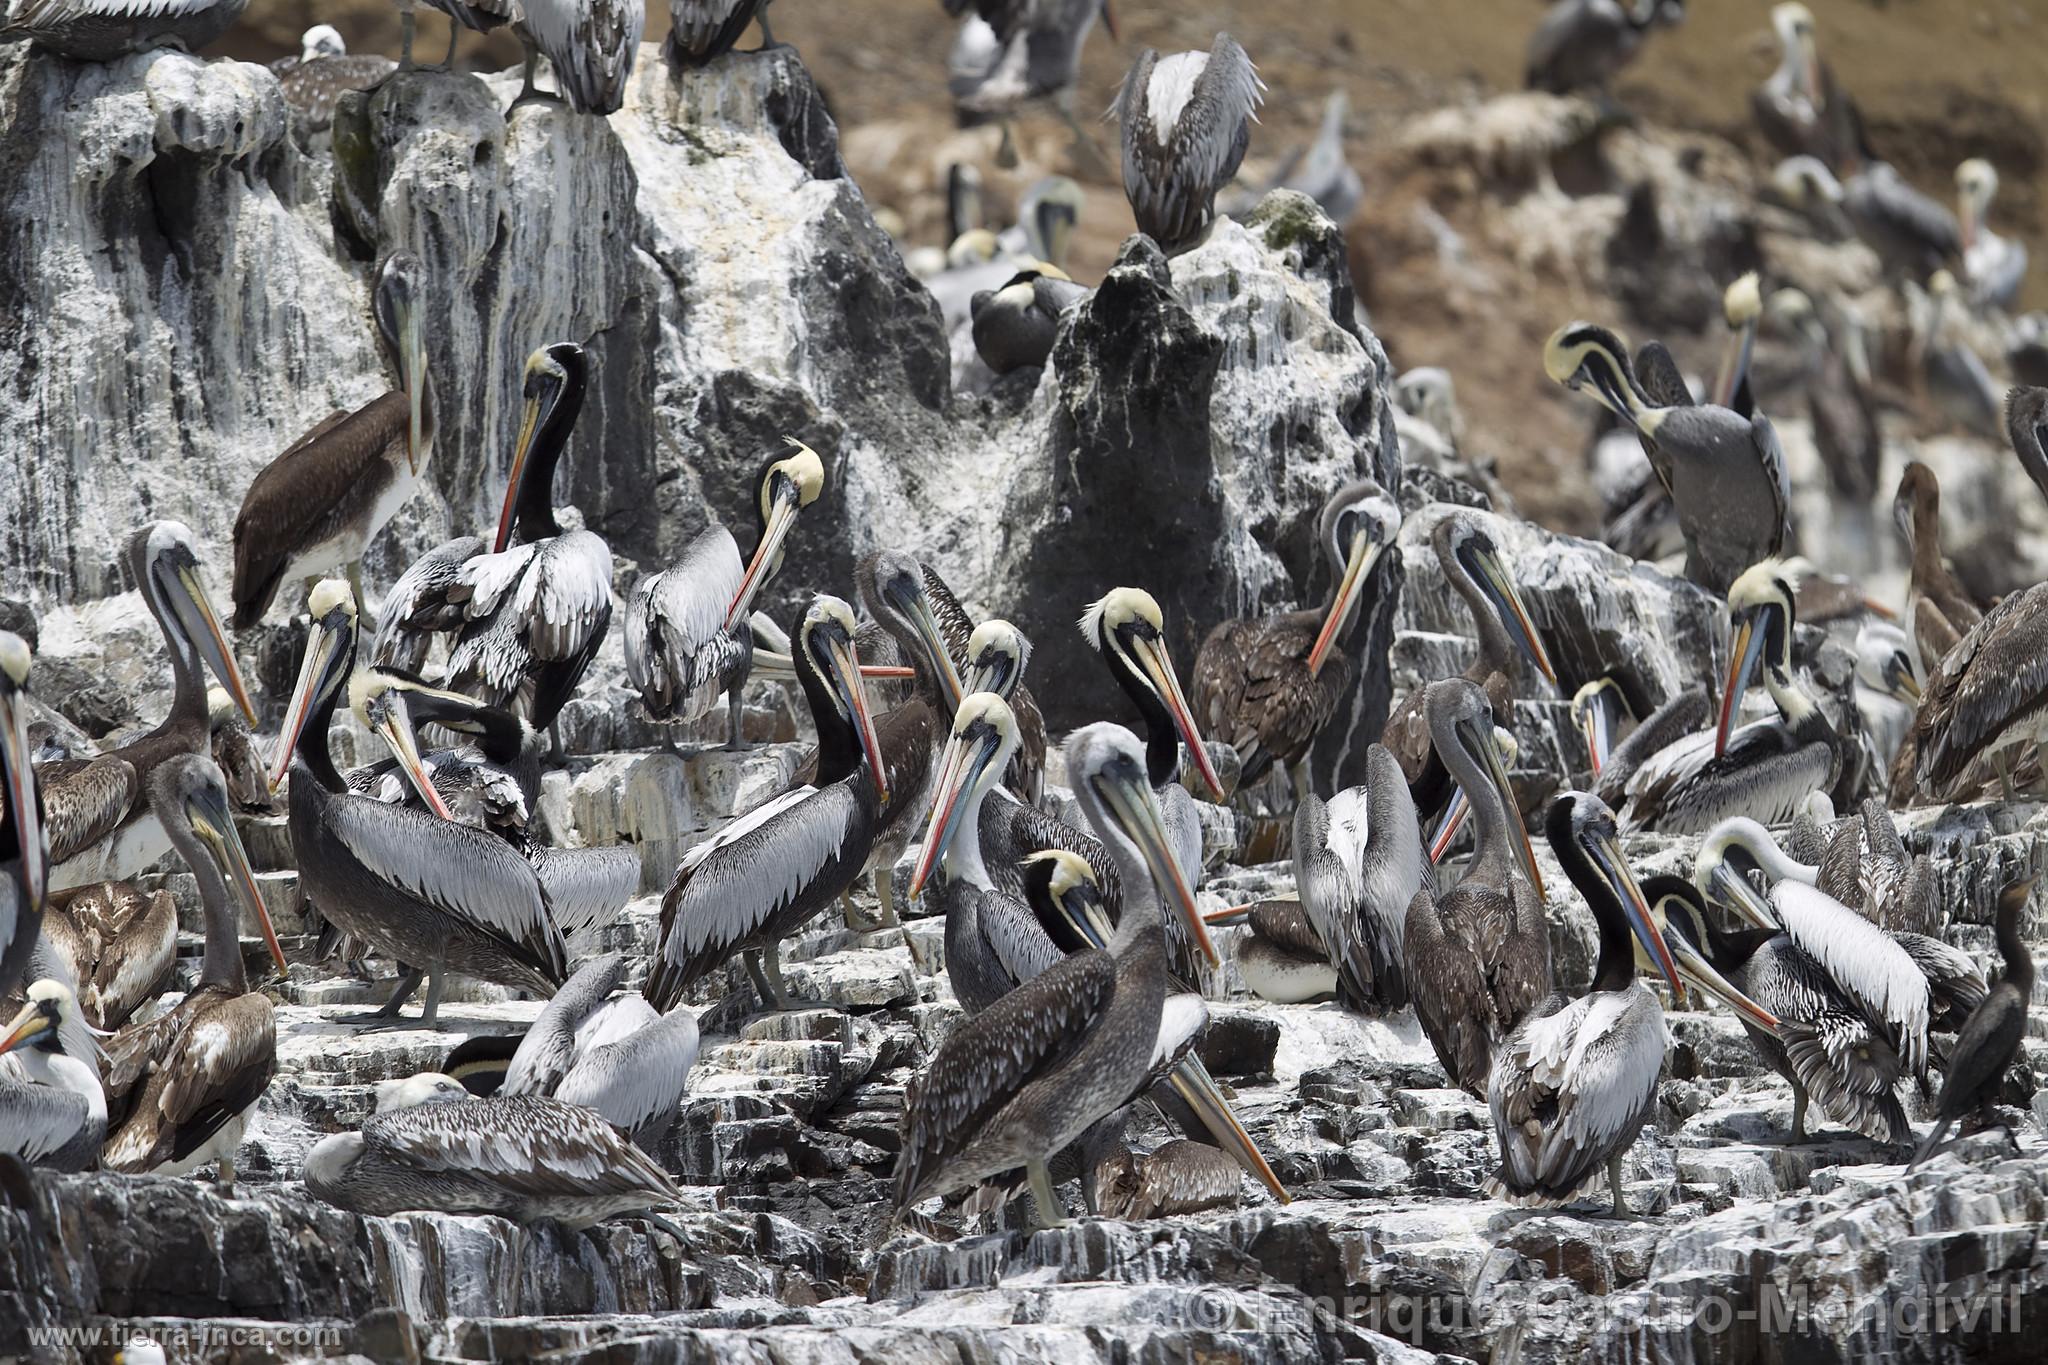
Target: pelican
point(24, 846)
point(611, 1054)
point(318, 506)
point(1826, 1045)
point(1912, 234)
point(321, 40)
point(1013, 51)
point(1014, 326)
point(96, 810)
point(1838, 392)
point(530, 618)
point(118, 943)
point(1939, 611)
point(1477, 957)
point(1357, 865)
point(994, 660)
point(1742, 304)
point(1471, 564)
point(106, 30)
point(1990, 1039)
point(1177, 1177)
point(1266, 687)
point(1322, 171)
point(1951, 371)
point(701, 30)
point(1886, 690)
point(316, 81)
point(590, 45)
point(1995, 266)
point(1726, 473)
point(53, 1114)
point(427, 892)
point(188, 1080)
point(1985, 699)
point(761, 878)
point(1281, 956)
point(530, 1158)
point(1186, 120)
point(1028, 1076)
point(1583, 43)
point(2026, 426)
point(478, 16)
point(1765, 768)
point(1603, 706)
point(687, 641)
point(1799, 107)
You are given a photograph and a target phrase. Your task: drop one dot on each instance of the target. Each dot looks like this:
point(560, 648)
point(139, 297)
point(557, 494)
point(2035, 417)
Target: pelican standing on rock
point(105, 30)
point(764, 876)
point(1357, 865)
point(24, 847)
point(1186, 121)
point(318, 506)
point(425, 891)
point(1583, 43)
point(1477, 957)
point(189, 1079)
point(96, 810)
point(700, 30)
point(1990, 1039)
point(590, 44)
point(1266, 687)
point(53, 1113)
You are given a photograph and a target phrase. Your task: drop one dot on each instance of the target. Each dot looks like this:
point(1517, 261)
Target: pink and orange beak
point(1158, 665)
point(1364, 550)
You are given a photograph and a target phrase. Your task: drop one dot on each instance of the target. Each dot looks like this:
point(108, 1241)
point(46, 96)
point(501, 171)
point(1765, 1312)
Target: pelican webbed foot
point(385, 1016)
point(1051, 1213)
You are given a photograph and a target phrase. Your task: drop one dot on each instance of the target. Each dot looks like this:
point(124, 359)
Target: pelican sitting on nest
point(1186, 121)
point(1357, 865)
point(1014, 326)
point(53, 1114)
point(24, 847)
point(430, 1145)
point(590, 45)
point(105, 30)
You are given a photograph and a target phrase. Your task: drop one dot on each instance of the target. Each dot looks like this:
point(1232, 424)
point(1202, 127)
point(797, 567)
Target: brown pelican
point(1726, 473)
point(53, 1111)
point(994, 660)
point(104, 30)
point(1886, 690)
point(1477, 956)
point(24, 846)
point(1995, 266)
point(1765, 768)
point(119, 944)
point(1014, 326)
point(1013, 51)
point(1357, 865)
point(1984, 700)
point(188, 1080)
point(1952, 373)
point(1838, 392)
point(478, 16)
point(1471, 564)
point(1281, 956)
point(530, 1158)
point(1266, 687)
point(1584, 43)
point(1991, 1037)
point(1742, 304)
point(687, 642)
point(424, 891)
point(321, 40)
point(529, 619)
point(590, 45)
point(1177, 1177)
point(1576, 1080)
point(100, 824)
point(1603, 706)
point(1826, 1045)
point(700, 30)
point(1028, 1076)
point(1186, 120)
point(1939, 611)
point(762, 878)
point(609, 1053)
point(317, 81)
point(2026, 426)
point(318, 506)
point(1322, 171)
point(1799, 107)
point(1913, 235)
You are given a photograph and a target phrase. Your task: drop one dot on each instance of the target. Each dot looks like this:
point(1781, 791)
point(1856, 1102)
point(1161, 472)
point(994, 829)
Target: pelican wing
point(49, 16)
point(678, 614)
point(1573, 1087)
point(587, 887)
point(305, 496)
point(590, 44)
point(638, 1080)
point(85, 800)
point(544, 603)
point(1329, 841)
point(547, 1051)
point(36, 1121)
point(1658, 377)
point(1453, 1001)
point(223, 1062)
point(1867, 963)
point(1021, 945)
point(1286, 925)
point(430, 596)
point(1777, 472)
point(473, 876)
point(529, 1144)
point(1994, 678)
point(136, 948)
point(1765, 773)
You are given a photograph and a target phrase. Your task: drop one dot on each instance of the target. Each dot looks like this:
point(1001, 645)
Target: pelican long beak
point(1453, 820)
point(1192, 1082)
point(1158, 666)
point(394, 725)
point(1811, 53)
point(529, 424)
point(781, 520)
point(1595, 726)
point(935, 649)
point(846, 664)
point(1905, 687)
point(413, 376)
point(215, 826)
point(321, 644)
point(1363, 552)
point(195, 612)
point(26, 1026)
point(1730, 888)
point(1744, 651)
point(1701, 973)
point(1607, 858)
point(1230, 914)
point(1134, 809)
point(1109, 22)
point(1488, 754)
point(1734, 363)
point(960, 766)
point(21, 800)
point(1514, 614)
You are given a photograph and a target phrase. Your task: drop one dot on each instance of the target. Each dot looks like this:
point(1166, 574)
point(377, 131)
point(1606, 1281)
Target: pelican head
point(1976, 187)
point(1461, 727)
point(382, 698)
point(551, 397)
point(1760, 620)
point(1727, 852)
point(1464, 546)
point(429, 1087)
point(1918, 501)
point(1051, 209)
point(21, 802)
point(1107, 765)
point(189, 795)
point(1742, 302)
point(1061, 889)
point(983, 741)
point(1794, 23)
point(1582, 354)
point(397, 304)
point(895, 588)
point(1801, 180)
point(976, 246)
point(164, 558)
point(330, 655)
point(1358, 522)
point(785, 486)
point(826, 639)
point(997, 655)
point(1598, 709)
point(1428, 392)
point(1884, 662)
point(321, 40)
point(1583, 833)
point(1129, 630)
point(1677, 906)
point(40, 1022)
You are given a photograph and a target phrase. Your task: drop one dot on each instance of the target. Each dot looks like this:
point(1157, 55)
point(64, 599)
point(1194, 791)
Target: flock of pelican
point(1074, 941)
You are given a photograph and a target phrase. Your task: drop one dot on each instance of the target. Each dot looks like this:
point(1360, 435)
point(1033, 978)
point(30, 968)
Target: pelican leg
point(454, 36)
point(528, 92)
point(406, 27)
point(355, 584)
point(855, 920)
point(430, 1019)
point(2003, 764)
point(765, 967)
point(767, 38)
point(1799, 1113)
point(1051, 1213)
point(556, 753)
point(224, 1176)
point(735, 722)
point(885, 892)
point(1614, 1183)
point(386, 1015)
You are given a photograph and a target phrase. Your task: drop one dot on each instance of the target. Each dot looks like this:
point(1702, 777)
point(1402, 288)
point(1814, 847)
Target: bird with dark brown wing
point(1939, 612)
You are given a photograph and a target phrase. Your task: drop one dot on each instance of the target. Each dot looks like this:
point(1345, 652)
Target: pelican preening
point(1357, 865)
point(97, 810)
point(1266, 687)
point(1991, 1037)
point(1608, 703)
point(318, 506)
point(701, 30)
point(1186, 122)
point(24, 845)
point(105, 30)
point(687, 642)
point(1585, 43)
